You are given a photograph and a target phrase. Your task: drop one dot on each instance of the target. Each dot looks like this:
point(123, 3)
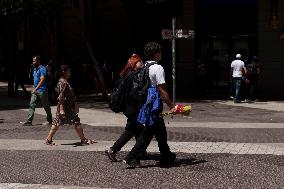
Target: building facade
point(222, 29)
point(114, 29)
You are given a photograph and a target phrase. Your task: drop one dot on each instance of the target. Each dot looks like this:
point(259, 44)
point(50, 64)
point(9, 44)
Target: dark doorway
point(224, 28)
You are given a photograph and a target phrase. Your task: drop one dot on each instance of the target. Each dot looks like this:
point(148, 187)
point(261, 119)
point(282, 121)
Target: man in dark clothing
point(253, 72)
point(156, 125)
point(132, 128)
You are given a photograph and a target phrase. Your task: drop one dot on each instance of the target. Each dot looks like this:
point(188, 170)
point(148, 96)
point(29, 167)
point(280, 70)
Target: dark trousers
point(132, 128)
point(252, 86)
point(160, 132)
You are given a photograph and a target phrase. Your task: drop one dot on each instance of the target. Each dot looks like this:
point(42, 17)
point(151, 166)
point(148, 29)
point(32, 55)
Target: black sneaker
point(111, 155)
point(132, 164)
point(167, 160)
point(26, 123)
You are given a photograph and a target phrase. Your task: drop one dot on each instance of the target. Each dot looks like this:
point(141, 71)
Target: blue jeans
point(237, 86)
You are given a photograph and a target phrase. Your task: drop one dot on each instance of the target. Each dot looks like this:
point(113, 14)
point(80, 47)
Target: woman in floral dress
point(67, 108)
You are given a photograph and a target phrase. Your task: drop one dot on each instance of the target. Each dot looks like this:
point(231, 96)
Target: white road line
point(185, 147)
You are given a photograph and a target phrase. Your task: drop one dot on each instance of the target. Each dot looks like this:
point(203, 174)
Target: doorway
point(221, 33)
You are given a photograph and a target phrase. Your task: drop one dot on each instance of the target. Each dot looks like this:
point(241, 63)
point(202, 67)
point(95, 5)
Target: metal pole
point(174, 60)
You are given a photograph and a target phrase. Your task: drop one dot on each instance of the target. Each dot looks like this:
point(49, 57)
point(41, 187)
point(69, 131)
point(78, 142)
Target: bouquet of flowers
point(181, 109)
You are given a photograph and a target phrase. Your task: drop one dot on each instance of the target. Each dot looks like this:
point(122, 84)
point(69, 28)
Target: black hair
point(150, 49)
point(37, 57)
point(64, 68)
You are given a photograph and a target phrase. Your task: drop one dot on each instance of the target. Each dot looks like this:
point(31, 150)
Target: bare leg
point(80, 133)
point(51, 133)
point(79, 130)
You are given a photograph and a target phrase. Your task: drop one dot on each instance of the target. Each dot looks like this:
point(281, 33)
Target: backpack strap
point(147, 66)
point(149, 63)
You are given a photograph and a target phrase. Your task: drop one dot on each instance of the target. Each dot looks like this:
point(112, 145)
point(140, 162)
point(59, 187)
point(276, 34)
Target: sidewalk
point(219, 145)
point(268, 105)
point(98, 114)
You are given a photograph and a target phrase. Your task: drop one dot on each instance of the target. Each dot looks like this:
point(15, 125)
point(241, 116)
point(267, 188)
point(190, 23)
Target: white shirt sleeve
point(157, 74)
point(160, 75)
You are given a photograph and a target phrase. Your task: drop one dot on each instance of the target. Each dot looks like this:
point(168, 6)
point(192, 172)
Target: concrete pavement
point(220, 145)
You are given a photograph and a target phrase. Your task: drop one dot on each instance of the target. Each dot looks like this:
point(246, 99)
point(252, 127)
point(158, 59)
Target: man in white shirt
point(153, 123)
point(238, 70)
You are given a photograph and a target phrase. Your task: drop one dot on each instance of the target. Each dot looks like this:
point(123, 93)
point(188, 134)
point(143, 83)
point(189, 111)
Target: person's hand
point(174, 110)
point(62, 114)
point(33, 91)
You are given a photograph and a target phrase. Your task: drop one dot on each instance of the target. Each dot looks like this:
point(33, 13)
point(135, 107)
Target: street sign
point(172, 34)
point(179, 33)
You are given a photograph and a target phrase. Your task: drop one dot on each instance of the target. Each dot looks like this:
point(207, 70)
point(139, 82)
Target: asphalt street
point(219, 145)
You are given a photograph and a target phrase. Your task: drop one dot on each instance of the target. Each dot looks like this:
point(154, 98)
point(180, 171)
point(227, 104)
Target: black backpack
point(140, 85)
point(131, 89)
point(118, 95)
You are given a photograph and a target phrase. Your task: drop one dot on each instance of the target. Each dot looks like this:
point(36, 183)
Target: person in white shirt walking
point(148, 116)
point(238, 71)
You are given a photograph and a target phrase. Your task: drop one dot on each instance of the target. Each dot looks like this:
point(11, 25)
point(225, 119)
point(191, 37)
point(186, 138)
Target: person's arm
point(165, 96)
point(61, 110)
point(61, 98)
point(245, 74)
point(231, 71)
point(41, 82)
point(245, 71)
point(161, 85)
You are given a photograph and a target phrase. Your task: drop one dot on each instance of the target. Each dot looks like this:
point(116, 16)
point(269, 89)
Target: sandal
point(87, 141)
point(49, 142)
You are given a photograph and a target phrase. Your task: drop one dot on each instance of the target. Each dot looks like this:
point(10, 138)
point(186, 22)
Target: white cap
point(238, 56)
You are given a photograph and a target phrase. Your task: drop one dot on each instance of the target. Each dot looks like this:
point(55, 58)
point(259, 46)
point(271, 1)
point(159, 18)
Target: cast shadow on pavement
point(179, 162)
point(76, 144)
